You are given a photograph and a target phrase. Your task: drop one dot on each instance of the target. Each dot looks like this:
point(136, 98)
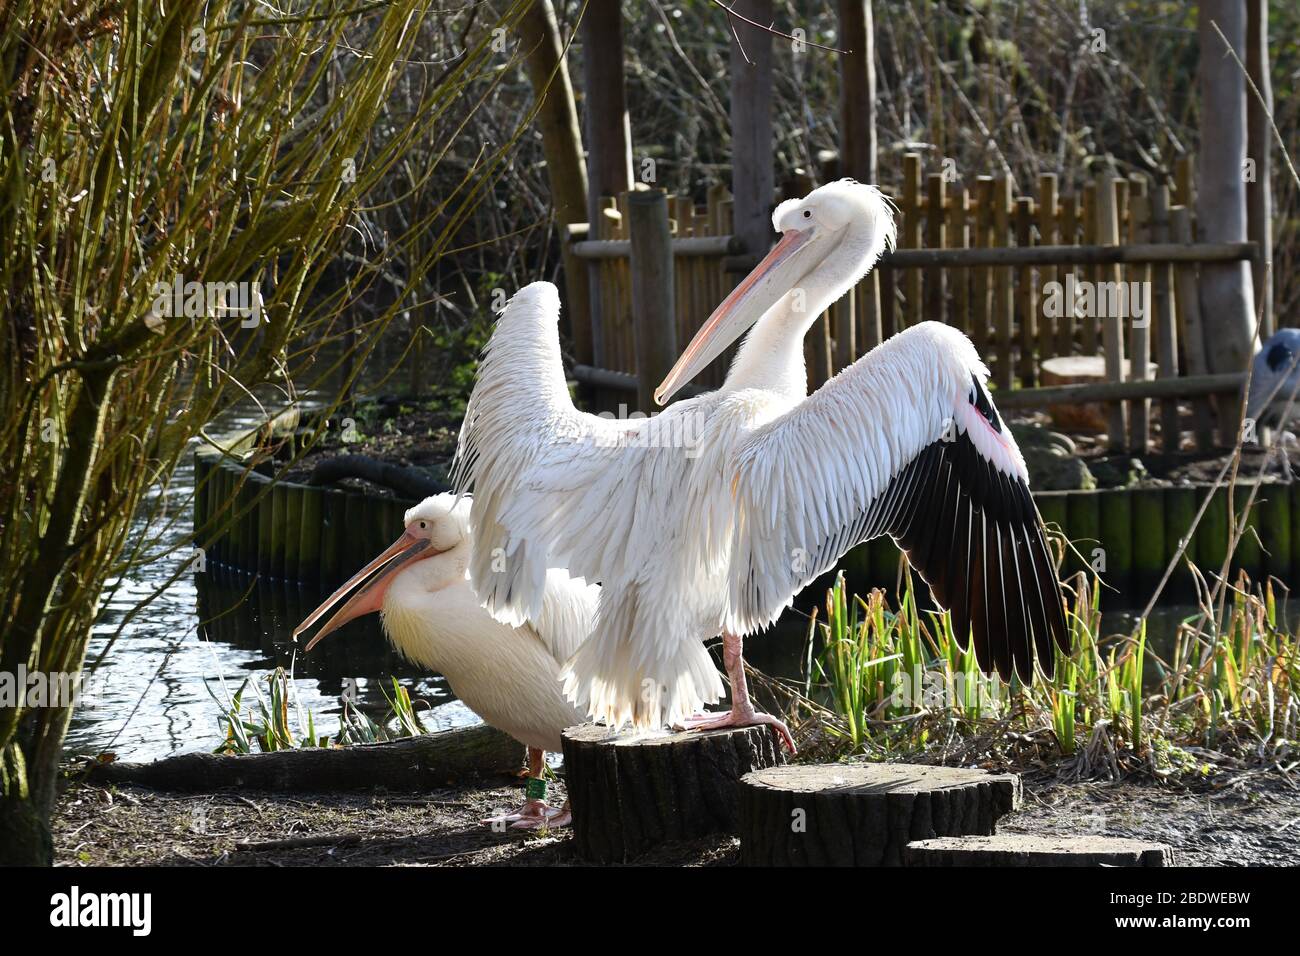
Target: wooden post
point(609, 140)
point(631, 793)
point(356, 519)
point(1193, 332)
point(1116, 509)
point(1139, 414)
point(1259, 148)
point(557, 119)
point(256, 486)
point(216, 494)
point(1069, 237)
point(653, 322)
point(1112, 328)
point(292, 504)
point(958, 237)
point(1149, 555)
point(869, 309)
point(857, 37)
point(1088, 211)
point(1275, 530)
point(752, 176)
point(1050, 334)
point(333, 538)
point(1083, 517)
point(935, 301)
point(857, 91)
point(1026, 293)
point(279, 530)
point(1052, 508)
point(909, 236)
point(234, 534)
point(1004, 307)
point(844, 323)
point(1166, 328)
point(889, 319)
point(1212, 534)
point(982, 239)
point(1248, 557)
point(265, 523)
point(199, 500)
point(1180, 508)
point(310, 517)
point(1295, 527)
point(1227, 292)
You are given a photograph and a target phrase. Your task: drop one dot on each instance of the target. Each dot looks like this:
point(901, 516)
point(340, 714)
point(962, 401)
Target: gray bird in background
point(1274, 380)
point(1275, 363)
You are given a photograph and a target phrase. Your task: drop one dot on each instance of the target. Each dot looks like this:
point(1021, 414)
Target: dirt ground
point(1254, 822)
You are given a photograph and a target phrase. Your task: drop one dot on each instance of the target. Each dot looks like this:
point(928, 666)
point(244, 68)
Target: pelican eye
point(807, 213)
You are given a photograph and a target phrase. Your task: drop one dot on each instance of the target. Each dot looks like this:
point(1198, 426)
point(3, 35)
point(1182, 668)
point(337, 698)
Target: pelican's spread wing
point(568, 614)
point(529, 455)
point(558, 488)
point(905, 442)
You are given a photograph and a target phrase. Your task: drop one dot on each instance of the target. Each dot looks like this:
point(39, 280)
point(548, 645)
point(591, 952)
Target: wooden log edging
point(320, 536)
point(416, 764)
point(288, 531)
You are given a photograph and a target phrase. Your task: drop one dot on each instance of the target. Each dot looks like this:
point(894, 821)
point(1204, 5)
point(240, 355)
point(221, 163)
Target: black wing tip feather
point(997, 575)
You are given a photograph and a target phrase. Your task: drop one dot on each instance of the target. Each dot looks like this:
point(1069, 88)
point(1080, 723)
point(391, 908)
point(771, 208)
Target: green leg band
point(535, 788)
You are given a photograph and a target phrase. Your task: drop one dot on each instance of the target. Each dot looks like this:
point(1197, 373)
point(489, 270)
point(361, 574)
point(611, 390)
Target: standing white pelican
point(709, 517)
point(507, 675)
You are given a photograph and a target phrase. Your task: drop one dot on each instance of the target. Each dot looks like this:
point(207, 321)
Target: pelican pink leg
point(534, 813)
point(742, 713)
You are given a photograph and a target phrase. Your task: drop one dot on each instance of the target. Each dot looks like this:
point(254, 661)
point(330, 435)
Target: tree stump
point(1021, 849)
point(863, 814)
point(631, 793)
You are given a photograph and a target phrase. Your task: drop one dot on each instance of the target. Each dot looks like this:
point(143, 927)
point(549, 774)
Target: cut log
point(631, 793)
point(863, 814)
point(428, 762)
point(1020, 849)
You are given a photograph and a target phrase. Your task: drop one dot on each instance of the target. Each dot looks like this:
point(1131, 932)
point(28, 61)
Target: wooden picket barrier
point(984, 259)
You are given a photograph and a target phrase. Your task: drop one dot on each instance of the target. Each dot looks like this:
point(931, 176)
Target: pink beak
point(370, 596)
point(758, 292)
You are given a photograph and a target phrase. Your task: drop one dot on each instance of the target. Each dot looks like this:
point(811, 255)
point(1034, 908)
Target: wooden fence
point(980, 258)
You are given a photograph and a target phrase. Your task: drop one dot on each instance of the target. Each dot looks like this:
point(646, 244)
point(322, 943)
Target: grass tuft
point(896, 683)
